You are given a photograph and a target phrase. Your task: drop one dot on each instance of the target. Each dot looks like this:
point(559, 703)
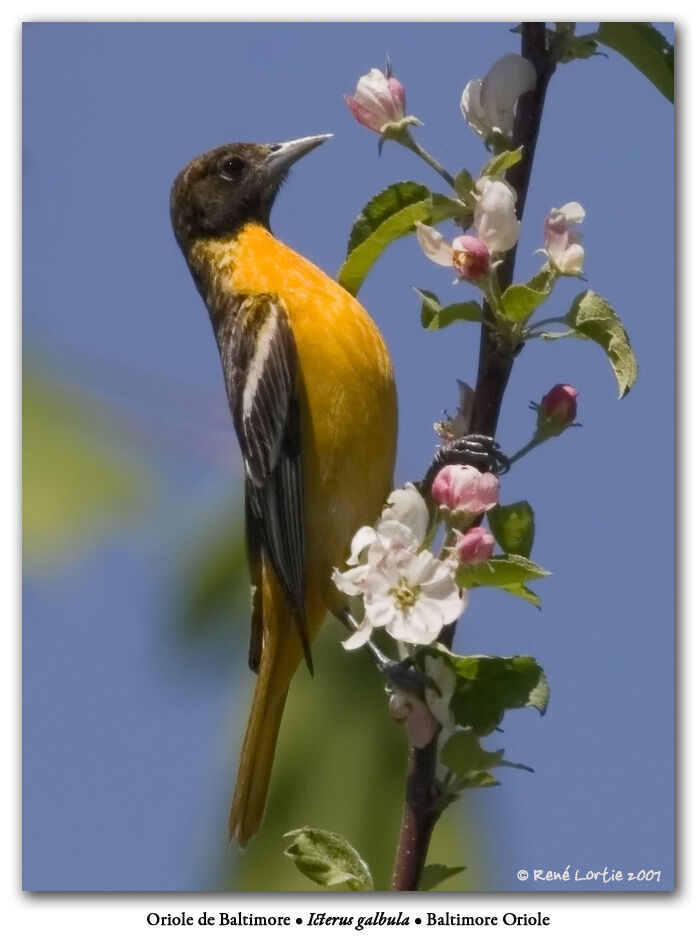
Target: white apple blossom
point(470, 257)
point(404, 589)
point(563, 244)
point(488, 104)
point(412, 596)
point(497, 230)
point(403, 524)
point(494, 217)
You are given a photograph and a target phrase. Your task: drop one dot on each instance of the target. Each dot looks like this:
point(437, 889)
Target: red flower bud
point(558, 408)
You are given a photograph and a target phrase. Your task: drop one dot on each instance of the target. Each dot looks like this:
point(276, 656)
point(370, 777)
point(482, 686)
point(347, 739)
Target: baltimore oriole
point(311, 391)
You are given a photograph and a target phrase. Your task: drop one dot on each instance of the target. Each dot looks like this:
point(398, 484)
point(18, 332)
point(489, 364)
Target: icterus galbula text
point(312, 396)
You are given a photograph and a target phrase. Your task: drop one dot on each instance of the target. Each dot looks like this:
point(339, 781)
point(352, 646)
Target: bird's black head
point(226, 187)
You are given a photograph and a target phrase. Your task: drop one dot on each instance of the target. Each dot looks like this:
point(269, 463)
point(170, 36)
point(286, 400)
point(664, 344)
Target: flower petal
point(430, 613)
point(360, 637)
point(373, 93)
point(364, 537)
point(573, 212)
point(363, 114)
point(393, 535)
point(407, 506)
point(494, 217)
point(380, 610)
point(410, 626)
point(508, 78)
point(398, 94)
point(472, 108)
point(573, 259)
point(422, 568)
point(351, 582)
point(434, 245)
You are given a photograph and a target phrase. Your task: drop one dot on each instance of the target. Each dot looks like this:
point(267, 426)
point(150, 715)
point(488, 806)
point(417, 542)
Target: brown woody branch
point(423, 806)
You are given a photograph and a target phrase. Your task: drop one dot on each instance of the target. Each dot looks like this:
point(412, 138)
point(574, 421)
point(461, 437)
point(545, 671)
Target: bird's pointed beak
point(282, 156)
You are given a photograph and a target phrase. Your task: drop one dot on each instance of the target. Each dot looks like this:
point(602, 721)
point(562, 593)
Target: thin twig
point(422, 806)
point(413, 145)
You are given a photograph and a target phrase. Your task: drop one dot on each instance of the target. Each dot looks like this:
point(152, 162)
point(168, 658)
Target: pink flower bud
point(558, 408)
point(471, 257)
point(474, 546)
point(379, 99)
point(464, 489)
point(421, 724)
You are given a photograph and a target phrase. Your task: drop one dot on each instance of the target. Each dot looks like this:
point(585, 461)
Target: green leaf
point(543, 280)
point(391, 215)
point(382, 207)
point(464, 184)
point(470, 311)
point(646, 49)
point(539, 696)
point(435, 874)
point(434, 316)
point(463, 754)
point(497, 165)
point(328, 859)
point(487, 686)
point(444, 207)
point(593, 317)
point(499, 572)
point(521, 591)
point(513, 527)
point(519, 301)
point(430, 307)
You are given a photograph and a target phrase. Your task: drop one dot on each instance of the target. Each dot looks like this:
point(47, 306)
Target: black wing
point(260, 364)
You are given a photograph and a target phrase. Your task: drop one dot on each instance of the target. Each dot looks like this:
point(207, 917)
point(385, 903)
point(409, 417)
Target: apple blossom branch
point(423, 804)
point(403, 587)
point(409, 575)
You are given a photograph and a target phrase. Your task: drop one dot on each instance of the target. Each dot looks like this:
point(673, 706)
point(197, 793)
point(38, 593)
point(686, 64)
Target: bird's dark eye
point(233, 168)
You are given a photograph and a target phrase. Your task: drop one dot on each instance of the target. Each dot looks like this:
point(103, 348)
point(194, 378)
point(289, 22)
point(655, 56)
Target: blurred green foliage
point(73, 480)
point(214, 577)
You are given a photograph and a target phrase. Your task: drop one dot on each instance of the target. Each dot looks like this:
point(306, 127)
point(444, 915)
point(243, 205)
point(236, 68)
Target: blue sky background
point(127, 752)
